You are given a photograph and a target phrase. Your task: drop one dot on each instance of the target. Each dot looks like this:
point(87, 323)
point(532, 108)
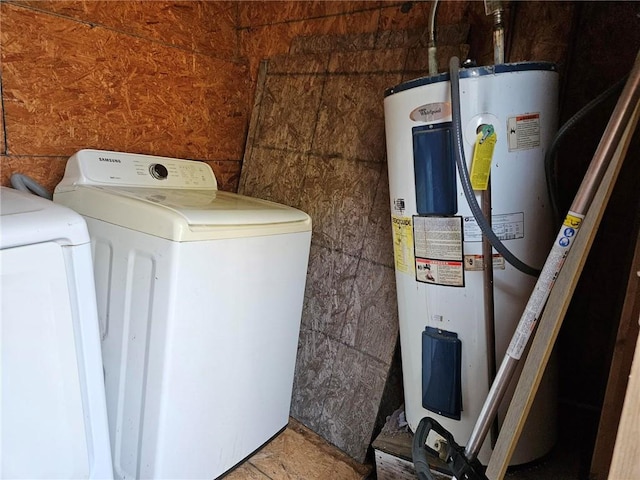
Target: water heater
point(438, 242)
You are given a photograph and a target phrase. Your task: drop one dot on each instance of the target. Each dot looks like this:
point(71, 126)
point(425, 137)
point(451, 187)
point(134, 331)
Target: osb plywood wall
point(316, 141)
point(159, 78)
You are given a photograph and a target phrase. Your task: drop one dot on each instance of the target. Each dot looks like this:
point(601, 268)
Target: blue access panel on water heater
point(441, 372)
point(434, 169)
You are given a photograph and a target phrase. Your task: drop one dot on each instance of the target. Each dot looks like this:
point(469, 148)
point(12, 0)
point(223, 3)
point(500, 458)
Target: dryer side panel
point(42, 410)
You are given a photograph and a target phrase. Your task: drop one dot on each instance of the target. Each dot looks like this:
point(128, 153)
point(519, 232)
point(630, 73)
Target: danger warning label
point(523, 131)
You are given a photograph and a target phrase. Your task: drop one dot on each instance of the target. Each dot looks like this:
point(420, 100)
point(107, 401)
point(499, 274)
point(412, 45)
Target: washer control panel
point(100, 167)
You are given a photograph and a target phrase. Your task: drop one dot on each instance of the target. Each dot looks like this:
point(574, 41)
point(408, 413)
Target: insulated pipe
point(627, 102)
point(549, 158)
point(610, 139)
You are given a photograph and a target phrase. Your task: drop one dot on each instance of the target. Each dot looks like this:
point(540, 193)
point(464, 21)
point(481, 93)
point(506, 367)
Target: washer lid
point(26, 219)
point(213, 207)
point(184, 214)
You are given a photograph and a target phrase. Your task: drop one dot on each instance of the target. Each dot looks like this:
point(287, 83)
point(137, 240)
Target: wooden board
point(618, 373)
point(554, 312)
point(626, 453)
point(390, 467)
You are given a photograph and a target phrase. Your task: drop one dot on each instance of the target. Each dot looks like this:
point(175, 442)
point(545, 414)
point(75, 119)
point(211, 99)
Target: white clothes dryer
point(199, 299)
point(53, 416)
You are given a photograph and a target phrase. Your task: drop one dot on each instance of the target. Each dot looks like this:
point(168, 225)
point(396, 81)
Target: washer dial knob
point(158, 171)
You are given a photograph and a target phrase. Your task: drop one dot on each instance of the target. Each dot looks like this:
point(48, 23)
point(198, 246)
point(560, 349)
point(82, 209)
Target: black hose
point(461, 467)
point(550, 169)
point(418, 452)
point(454, 67)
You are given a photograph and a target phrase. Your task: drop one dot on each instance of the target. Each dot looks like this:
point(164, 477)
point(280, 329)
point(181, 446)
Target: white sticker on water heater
point(523, 131)
point(475, 263)
point(431, 112)
point(438, 250)
point(507, 226)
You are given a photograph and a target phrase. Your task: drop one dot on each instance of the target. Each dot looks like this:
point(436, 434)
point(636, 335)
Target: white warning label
point(475, 263)
point(523, 131)
point(506, 226)
point(438, 250)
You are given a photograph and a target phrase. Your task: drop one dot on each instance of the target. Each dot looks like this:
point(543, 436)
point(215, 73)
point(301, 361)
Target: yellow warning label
point(482, 155)
point(573, 220)
point(402, 230)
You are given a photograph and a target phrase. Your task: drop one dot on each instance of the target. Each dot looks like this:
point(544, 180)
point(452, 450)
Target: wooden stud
point(626, 453)
point(621, 362)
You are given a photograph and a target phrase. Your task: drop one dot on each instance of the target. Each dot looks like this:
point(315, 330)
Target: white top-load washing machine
point(199, 299)
point(53, 415)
